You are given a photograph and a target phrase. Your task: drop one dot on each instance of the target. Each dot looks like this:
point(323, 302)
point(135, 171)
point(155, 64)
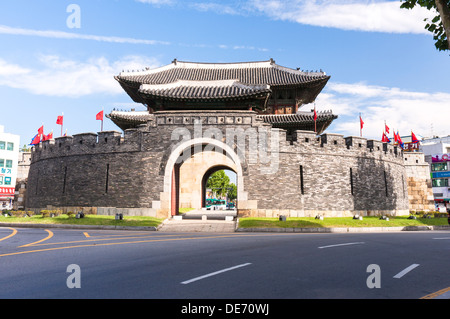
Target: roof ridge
point(207, 83)
point(220, 66)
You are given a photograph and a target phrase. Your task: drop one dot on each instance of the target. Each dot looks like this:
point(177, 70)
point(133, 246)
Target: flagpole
point(360, 128)
point(315, 125)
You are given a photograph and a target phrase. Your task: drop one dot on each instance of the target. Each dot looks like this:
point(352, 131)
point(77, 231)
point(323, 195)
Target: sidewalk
point(197, 225)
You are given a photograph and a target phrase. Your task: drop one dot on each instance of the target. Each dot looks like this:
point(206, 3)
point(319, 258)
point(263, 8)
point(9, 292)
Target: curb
point(255, 229)
point(343, 229)
point(65, 226)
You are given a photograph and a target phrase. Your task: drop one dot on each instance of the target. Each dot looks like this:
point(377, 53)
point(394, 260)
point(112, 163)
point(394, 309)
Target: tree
point(232, 192)
point(440, 24)
point(218, 182)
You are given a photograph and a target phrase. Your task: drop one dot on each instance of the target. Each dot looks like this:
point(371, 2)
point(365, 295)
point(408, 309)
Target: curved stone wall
point(296, 175)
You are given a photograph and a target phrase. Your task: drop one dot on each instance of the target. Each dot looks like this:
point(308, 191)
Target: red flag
point(41, 130)
point(383, 138)
point(59, 120)
point(36, 139)
point(99, 115)
point(399, 140)
point(315, 119)
point(386, 128)
point(47, 137)
point(414, 138)
point(361, 122)
point(395, 137)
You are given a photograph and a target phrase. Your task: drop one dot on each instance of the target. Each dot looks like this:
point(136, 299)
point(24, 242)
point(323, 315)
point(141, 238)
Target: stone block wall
point(420, 191)
point(299, 175)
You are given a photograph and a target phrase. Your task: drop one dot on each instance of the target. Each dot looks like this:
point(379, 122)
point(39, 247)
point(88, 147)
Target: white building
point(9, 154)
point(437, 154)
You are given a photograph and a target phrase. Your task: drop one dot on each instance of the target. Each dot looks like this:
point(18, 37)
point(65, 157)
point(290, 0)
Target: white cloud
point(55, 76)
point(75, 36)
point(158, 2)
point(362, 15)
point(401, 109)
point(215, 7)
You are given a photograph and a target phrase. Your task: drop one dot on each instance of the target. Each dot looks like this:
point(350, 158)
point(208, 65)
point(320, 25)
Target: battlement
point(159, 136)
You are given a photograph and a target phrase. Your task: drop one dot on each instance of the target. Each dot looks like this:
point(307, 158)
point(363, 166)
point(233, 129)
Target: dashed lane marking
point(214, 273)
point(344, 244)
point(406, 270)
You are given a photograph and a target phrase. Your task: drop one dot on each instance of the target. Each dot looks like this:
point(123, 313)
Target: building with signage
point(437, 154)
point(9, 154)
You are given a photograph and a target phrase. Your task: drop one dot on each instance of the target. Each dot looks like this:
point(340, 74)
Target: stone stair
point(201, 221)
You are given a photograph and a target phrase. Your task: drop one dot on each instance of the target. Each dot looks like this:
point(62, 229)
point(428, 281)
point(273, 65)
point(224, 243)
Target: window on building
point(8, 163)
point(10, 146)
point(440, 182)
point(2, 145)
point(439, 166)
point(2, 162)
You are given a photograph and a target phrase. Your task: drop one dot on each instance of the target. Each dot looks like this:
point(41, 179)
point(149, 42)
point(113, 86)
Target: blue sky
point(382, 62)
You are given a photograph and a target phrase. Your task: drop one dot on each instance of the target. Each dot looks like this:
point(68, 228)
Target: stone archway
point(186, 167)
point(207, 174)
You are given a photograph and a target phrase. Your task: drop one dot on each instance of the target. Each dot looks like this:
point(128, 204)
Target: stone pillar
point(420, 192)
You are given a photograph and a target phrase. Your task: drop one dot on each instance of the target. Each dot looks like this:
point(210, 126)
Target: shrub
point(45, 213)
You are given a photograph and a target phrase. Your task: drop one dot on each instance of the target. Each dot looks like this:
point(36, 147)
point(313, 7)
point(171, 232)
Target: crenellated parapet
point(168, 128)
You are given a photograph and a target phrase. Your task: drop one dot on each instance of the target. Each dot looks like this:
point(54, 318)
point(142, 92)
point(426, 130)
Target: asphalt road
point(36, 263)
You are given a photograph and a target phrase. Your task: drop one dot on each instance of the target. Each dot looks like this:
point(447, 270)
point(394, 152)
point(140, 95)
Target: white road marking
point(214, 273)
point(405, 271)
point(345, 244)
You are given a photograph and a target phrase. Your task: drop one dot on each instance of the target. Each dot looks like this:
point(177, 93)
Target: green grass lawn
point(251, 222)
point(87, 220)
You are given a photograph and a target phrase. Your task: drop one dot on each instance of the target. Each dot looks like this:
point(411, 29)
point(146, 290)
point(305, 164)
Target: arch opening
point(219, 190)
point(187, 170)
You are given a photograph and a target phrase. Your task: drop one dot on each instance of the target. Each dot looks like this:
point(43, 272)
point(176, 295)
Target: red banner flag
point(36, 139)
point(59, 120)
point(47, 137)
point(386, 128)
point(315, 119)
point(41, 130)
point(399, 140)
point(414, 138)
point(99, 115)
point(361, 122)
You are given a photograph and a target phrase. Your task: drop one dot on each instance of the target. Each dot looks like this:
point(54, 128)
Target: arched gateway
point(189, 164)
point(202, 116)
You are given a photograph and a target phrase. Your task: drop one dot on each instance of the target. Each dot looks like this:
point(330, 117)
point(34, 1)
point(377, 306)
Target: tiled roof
point(204, 90)
point(125, 119)
point(299, 117)
point(300, 120)
point(264, 72)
